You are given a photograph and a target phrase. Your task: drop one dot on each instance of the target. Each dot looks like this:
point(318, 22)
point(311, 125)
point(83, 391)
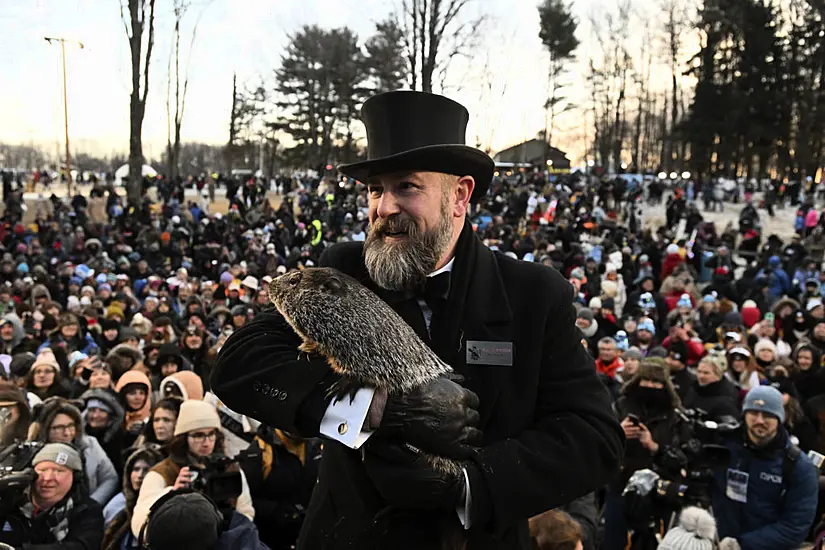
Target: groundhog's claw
point(342, 388)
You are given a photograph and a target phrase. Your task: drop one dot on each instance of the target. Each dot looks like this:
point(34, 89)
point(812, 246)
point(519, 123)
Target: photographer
point(651, 425)
point(197, 436)
point(765, 498)
point(54, 513)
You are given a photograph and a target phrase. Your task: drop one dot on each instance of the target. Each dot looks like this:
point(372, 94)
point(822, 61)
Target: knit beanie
point(684, 301)
point(750, 313)
point(696, 531)
point(585, 314)
point(764, 343)
point(46, 357)
point(61, 454)
point(98, 404)
point(196, 415)
point(183, 520)
point(632, 353)
point(766, 399)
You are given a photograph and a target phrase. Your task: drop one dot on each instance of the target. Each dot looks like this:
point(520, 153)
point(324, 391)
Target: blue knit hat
point(684, 301)
point(647, 325)
point(766, 399)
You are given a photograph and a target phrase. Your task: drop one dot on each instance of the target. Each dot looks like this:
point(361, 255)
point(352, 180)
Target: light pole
point(62, 42)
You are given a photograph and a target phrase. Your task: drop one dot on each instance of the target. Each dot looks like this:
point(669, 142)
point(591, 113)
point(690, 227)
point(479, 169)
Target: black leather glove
point(439, 417)
point(406, 478)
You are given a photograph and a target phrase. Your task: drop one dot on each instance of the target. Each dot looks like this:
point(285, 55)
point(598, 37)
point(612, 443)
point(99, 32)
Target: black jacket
point(549, 433)
point(85, 528)
point(717, 399)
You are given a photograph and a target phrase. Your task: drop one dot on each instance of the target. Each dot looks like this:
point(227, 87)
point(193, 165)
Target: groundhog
point(365, 341)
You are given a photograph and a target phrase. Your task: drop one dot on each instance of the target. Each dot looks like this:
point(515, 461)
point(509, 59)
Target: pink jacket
point(811, 218)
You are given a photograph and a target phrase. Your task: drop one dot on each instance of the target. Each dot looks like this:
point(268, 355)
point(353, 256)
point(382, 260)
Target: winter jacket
point(85, 527)
point(778, 512)
point(110, 437)
point(717, 399)
point(101, 476)
point(240, 535)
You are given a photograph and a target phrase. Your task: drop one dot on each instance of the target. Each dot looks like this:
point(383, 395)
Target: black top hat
point(409, 130)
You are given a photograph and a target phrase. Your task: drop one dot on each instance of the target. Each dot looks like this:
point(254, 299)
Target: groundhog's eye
point(294, 280)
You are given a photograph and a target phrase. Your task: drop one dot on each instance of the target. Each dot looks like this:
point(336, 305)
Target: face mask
point(654, 398)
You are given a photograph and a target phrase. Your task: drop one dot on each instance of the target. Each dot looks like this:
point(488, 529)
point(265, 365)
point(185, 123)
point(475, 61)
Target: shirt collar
point(446, 269)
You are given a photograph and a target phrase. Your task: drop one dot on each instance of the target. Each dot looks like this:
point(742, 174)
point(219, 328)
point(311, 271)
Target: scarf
point(57, 517)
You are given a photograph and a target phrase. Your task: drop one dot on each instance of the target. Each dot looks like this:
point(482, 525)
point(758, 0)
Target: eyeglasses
point(64, 428)
point(200, 437)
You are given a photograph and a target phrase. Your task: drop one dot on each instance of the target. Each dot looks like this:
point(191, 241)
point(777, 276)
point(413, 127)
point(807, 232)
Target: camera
point(16, 472)
point(682, 475)
point(214, 480)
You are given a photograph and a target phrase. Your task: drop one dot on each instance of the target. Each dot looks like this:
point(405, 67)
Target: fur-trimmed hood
point(44, 416)
point(120, 355)
point(111, 400)
point(785, 302)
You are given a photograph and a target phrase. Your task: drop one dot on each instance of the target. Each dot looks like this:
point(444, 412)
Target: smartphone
point(816, 458)
point(634, 419)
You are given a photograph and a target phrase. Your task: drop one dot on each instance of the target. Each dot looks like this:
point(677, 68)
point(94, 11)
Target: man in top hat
point(529, 417)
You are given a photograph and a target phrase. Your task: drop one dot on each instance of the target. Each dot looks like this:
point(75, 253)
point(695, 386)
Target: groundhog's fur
point(364, 339)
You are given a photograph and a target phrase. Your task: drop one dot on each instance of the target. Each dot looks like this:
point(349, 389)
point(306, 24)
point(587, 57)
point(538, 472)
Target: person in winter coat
point(135, 391)
point(11, 333)
point(54, 512)
point(45, 379)
point(169, 362)
point(161, 426)
point(122, 358)
point(647, 409)
point(713, 393)
point(683, 381)
point(197, 434)
point(117, 515)
point(184, 385)
point(281, 470)
point(185, 518)
point(765, 497)
point(103, 416)
point(589, 327)
point(16, 427)
point(779, 284)
point(70, 336)
point(743, 370)
point(109, 336)
point(56, 421)
point(238, 430)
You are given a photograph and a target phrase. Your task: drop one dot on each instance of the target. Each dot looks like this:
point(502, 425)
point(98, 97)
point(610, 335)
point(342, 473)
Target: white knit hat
point(46, 357)
point(196, 415)
point(696, 531)
point(764, 343)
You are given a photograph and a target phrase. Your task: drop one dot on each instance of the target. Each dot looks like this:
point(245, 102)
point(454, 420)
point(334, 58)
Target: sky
point(245, 37)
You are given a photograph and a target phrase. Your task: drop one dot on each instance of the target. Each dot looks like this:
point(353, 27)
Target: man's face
point(762, 427)
point(583, 324)
point(169, 368)
point(97, 418)
point(413, 218)
point(53, 483)
point(7, 332)
point(644, 336)
point(819, 331)
point(607, 352)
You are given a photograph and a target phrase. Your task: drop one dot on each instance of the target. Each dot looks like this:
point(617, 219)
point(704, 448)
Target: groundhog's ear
point(333, 284)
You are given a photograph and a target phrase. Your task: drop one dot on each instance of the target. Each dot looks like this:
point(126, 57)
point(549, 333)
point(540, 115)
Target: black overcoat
point(549, 432)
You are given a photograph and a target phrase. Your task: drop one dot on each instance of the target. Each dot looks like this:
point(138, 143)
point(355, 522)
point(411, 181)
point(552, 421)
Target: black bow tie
point(433, 291)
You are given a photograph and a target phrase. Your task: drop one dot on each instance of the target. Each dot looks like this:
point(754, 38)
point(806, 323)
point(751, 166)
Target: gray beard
point(405, 265)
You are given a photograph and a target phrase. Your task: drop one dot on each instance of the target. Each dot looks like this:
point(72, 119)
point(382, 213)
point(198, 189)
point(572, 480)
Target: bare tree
point(434, 35)
point(676, 23)
point(139, 25)
point(180, 7)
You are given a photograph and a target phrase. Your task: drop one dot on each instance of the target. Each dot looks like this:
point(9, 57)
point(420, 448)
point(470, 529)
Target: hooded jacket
point(111, 437)
point(17, 336)
point(121, 359)
point(117, 514)
point(188, 383)
point(17, 431)
point(101, 476)
point(142, 414)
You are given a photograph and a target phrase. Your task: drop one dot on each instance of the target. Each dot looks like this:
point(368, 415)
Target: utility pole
point(62, 42)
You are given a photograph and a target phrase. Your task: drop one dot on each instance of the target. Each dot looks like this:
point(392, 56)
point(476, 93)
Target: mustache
point(393, 224)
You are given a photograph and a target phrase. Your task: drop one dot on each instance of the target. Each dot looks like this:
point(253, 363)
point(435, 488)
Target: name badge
point(737, 488)
point(499, 354)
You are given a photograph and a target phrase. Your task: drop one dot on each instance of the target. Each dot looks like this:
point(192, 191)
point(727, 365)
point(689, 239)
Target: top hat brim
point(458, 160)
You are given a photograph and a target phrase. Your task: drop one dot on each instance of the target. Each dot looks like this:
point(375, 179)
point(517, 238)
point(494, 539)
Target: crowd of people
point(112, 316)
